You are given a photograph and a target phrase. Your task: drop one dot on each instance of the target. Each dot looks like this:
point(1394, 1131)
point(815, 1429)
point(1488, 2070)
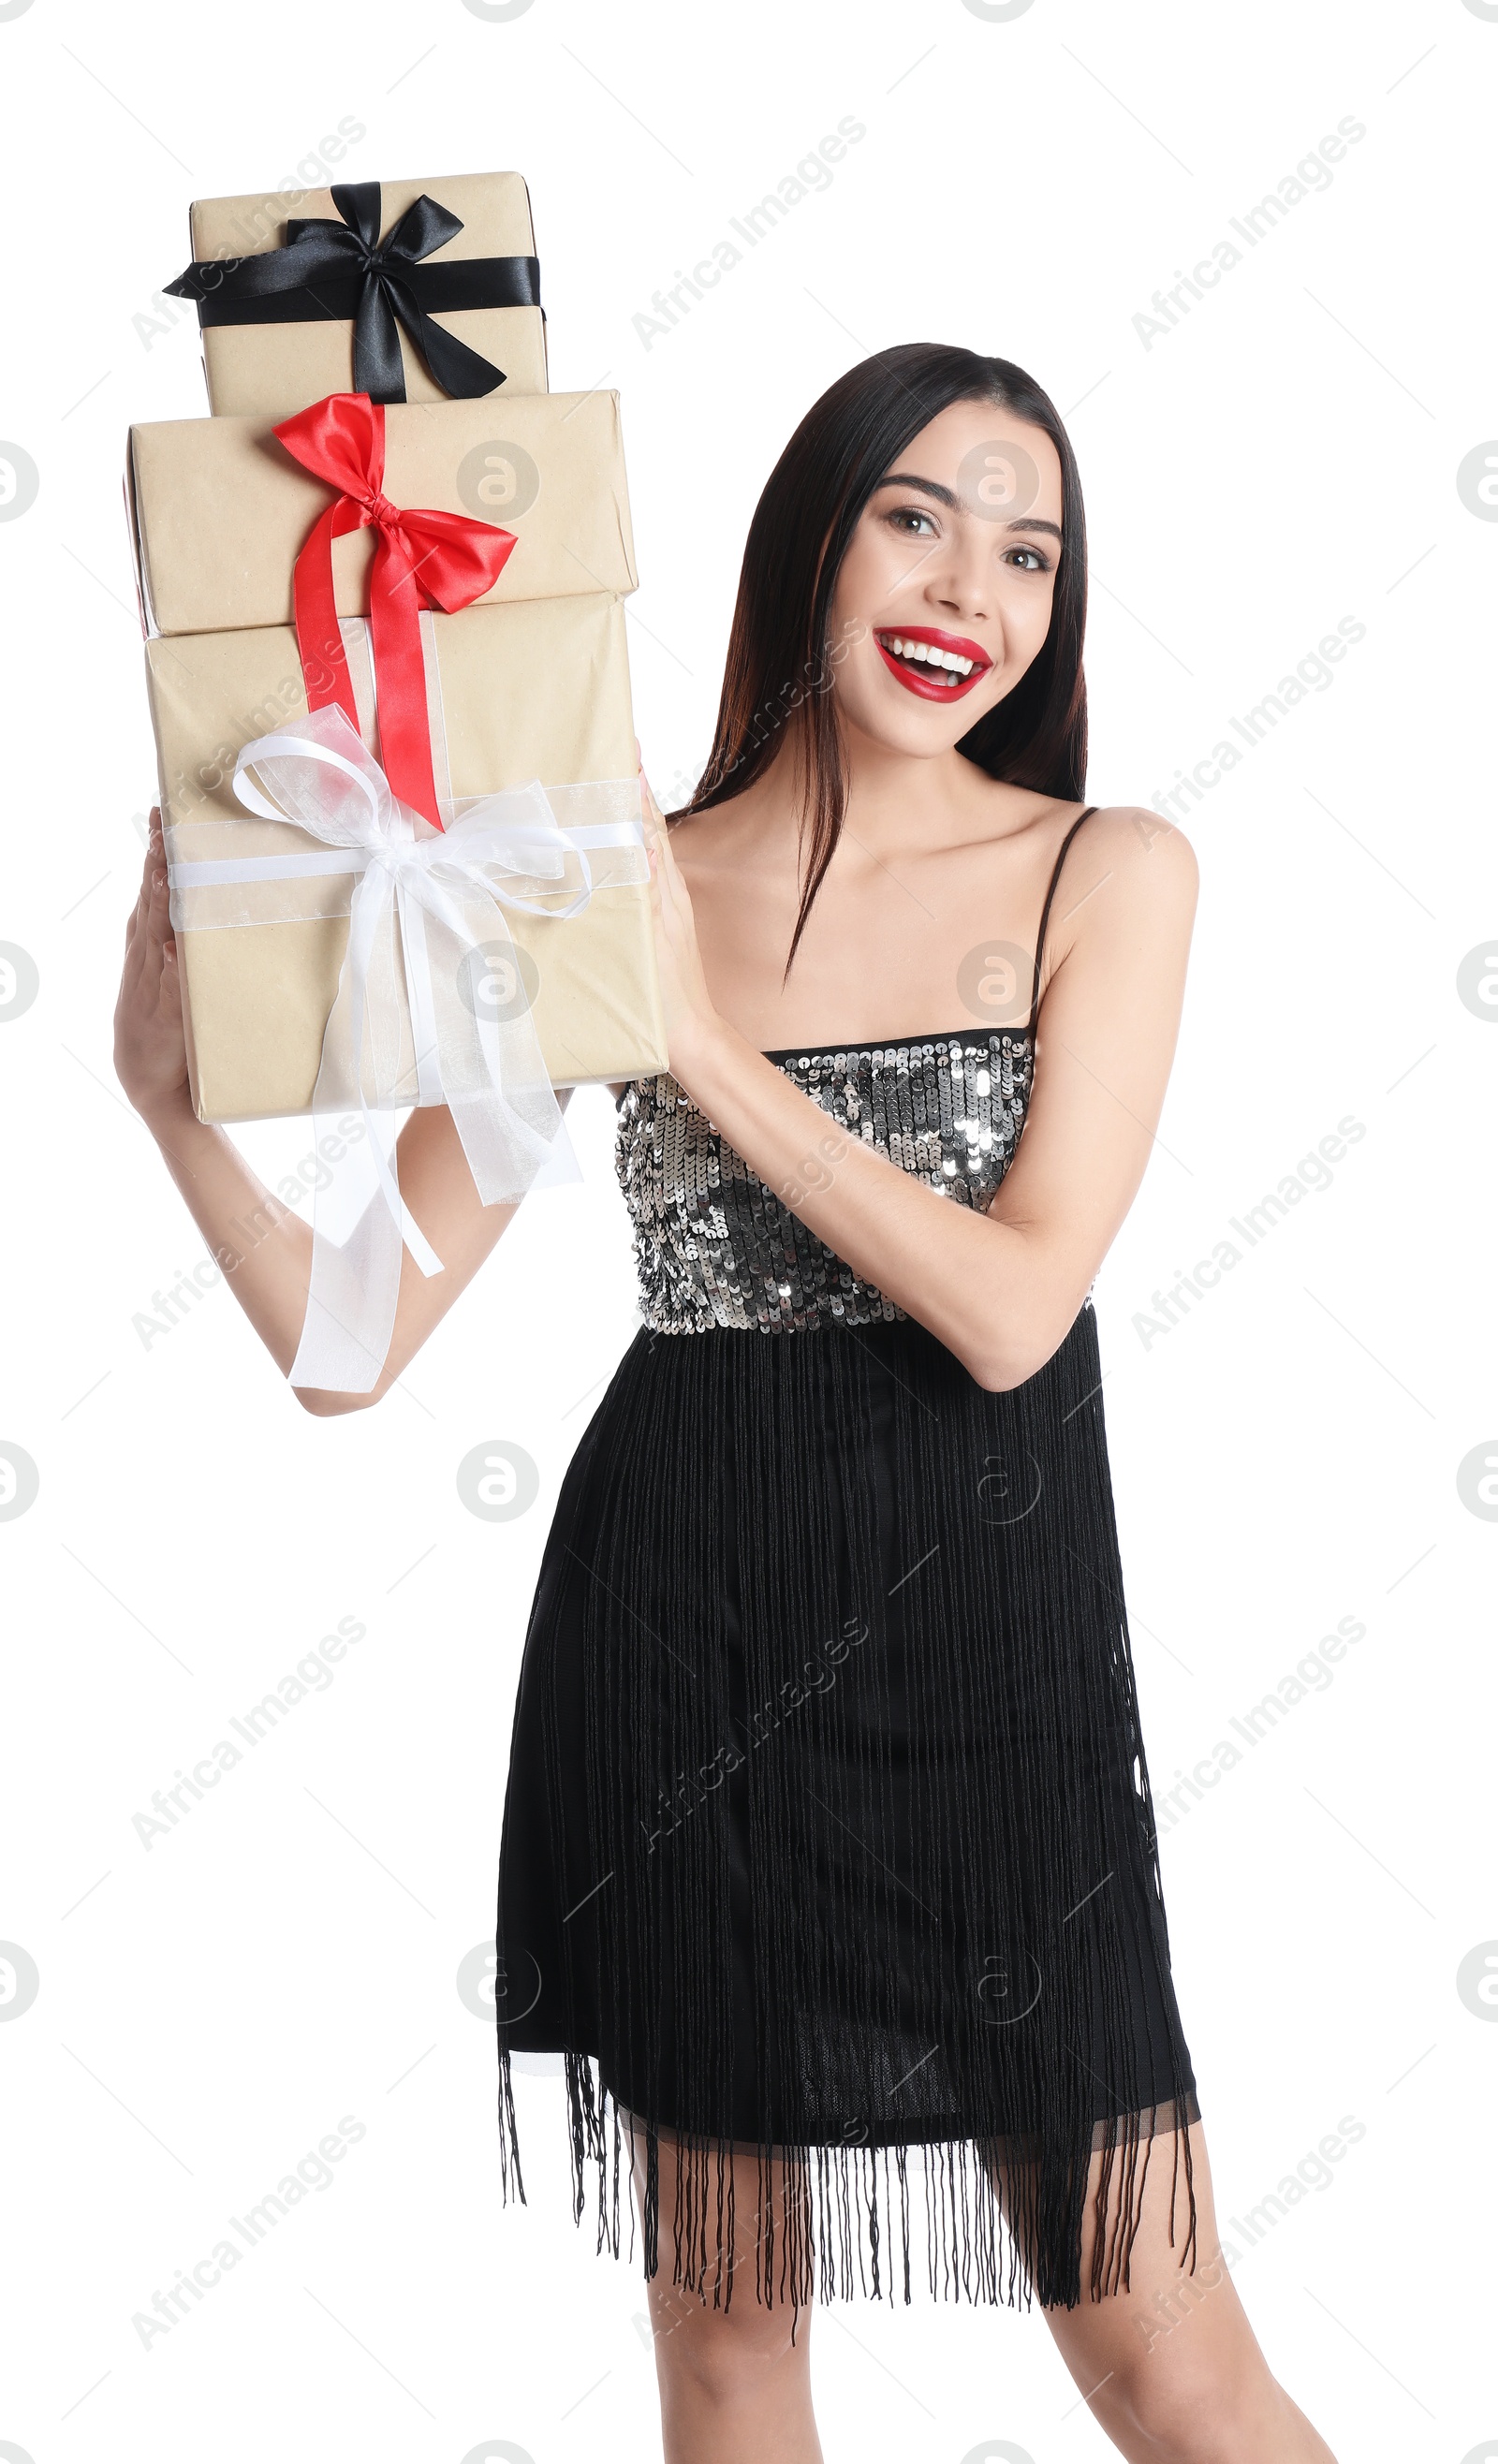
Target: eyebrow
point(948, 496)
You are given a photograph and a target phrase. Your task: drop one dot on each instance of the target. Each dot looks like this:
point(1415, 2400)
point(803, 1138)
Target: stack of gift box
point(383, 588)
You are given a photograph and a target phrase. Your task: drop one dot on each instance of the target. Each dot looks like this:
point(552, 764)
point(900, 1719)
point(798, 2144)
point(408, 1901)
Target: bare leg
point(734, 2389)
point(1171, 2368)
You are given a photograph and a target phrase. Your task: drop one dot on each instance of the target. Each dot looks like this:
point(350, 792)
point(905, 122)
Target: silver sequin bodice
point(716, 1248)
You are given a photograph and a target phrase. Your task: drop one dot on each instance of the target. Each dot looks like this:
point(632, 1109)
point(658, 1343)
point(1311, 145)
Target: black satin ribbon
point(341, 271)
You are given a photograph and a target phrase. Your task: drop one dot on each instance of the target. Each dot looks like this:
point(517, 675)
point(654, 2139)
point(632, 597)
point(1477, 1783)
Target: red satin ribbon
point(421, 559)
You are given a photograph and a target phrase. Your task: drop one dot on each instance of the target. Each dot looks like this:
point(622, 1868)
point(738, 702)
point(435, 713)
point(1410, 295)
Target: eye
point(905, 517)
point(1035, 560)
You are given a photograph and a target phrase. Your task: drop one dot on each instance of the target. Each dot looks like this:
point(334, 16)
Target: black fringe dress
point(828, 1835)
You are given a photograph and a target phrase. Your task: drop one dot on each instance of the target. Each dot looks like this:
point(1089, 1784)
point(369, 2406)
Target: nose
point(960, 578)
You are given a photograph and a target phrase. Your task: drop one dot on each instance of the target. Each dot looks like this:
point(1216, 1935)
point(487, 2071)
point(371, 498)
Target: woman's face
point(944, 596)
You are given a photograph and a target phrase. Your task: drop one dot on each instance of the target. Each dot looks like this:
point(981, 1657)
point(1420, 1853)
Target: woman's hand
point(150, 1046)
point(691, 1017)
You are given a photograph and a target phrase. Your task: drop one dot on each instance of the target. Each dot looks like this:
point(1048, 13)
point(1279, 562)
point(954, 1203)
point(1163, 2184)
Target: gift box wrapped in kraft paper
point(354, 959)
point(406, 290)
point(535, 690)
point(219, 509)
point(521, 716)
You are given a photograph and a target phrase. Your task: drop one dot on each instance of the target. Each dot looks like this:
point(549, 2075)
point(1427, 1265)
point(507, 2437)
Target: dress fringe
point(846, 2221)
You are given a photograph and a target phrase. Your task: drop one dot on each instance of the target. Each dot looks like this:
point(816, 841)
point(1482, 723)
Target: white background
point(1285, 1456)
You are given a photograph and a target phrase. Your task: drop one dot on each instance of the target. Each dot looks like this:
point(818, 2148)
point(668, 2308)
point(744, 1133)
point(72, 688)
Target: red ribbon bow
point(422, 559)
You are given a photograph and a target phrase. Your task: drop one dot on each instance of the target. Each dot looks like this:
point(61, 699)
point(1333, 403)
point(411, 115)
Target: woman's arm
point(1000, 1289)
point(264, 1249)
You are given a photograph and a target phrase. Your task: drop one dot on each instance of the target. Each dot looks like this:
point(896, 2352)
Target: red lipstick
point(926, 675)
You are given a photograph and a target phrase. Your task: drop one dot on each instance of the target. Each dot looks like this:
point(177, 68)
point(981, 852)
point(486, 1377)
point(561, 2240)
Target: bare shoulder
point(1141, 847)
point(1125, 904)
point(1129, 869)
point(725, 817)
point(710, 835)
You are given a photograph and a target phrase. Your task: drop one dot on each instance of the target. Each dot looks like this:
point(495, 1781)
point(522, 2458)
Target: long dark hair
point(780, 662)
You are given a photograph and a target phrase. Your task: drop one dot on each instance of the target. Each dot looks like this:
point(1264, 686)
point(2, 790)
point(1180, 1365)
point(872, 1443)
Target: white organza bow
point(432, 1005)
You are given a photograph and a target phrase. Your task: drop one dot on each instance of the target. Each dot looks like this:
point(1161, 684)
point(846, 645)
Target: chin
point(922, 729)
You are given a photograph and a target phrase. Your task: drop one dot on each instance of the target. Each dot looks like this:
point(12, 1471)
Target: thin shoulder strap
point(1040, 945)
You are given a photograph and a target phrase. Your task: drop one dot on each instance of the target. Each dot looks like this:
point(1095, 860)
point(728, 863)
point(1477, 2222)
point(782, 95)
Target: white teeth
point(951, 664)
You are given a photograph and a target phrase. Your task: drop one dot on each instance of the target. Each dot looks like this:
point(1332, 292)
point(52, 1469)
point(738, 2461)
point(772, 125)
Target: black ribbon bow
point(342, 270)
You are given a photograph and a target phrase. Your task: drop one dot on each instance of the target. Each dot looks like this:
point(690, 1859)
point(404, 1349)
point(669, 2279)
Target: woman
point(828, 1858)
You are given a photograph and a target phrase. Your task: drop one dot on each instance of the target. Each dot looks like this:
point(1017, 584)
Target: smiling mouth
point(939, 666)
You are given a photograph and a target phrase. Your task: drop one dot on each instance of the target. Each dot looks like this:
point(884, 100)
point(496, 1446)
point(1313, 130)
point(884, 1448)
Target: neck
point(892, 795)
